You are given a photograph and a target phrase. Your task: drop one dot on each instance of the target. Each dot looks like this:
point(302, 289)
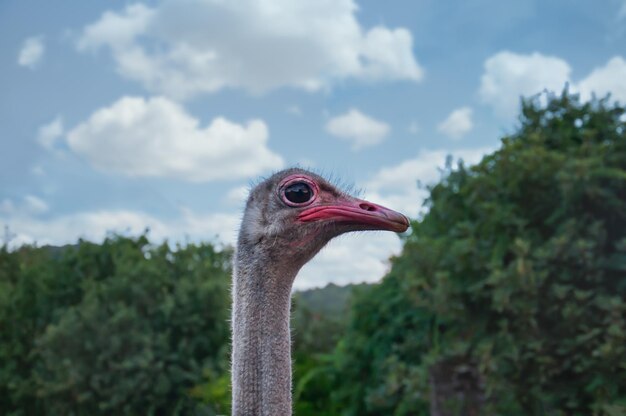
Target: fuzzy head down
point(291, 215)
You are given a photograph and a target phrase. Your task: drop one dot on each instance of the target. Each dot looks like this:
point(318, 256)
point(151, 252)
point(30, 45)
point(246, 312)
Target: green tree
point(121, 327)
point(318, 320)
point(377, 360)
point(516, 273)
point(32, 294)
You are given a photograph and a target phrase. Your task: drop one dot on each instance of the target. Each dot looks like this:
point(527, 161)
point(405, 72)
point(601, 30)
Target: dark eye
point(298, 193)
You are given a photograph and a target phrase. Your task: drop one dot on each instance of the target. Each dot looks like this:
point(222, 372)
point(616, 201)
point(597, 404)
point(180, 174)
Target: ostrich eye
point(298, 193)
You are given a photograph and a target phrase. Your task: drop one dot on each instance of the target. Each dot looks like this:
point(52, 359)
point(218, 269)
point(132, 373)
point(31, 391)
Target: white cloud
point(610, 78)
point(96, 225)
point(353, 258)
point(359, 129)
point(35, 205)
point(49, 134)
point(508, 76)
point(156, 137)
point(237, 196)
point(31, 52)
point(30, 205)
point(621, 14)
point(457, 124)
point(397, 186)
point(182, 48)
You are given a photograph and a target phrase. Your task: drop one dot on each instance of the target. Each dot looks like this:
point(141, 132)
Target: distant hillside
point(331, 300)
point(319, 318)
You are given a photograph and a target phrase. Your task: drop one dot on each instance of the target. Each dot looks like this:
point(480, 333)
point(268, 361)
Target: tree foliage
point(318, 320)
point(115, 328)
point(517, 271)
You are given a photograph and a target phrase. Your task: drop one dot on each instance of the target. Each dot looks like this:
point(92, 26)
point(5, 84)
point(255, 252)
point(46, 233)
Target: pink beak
point(358, 212)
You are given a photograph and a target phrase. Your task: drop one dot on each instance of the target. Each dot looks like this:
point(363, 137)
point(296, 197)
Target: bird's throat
point(261, 356)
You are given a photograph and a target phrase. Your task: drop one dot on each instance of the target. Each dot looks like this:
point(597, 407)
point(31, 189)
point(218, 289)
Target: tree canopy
point(120, 328)
point(513, 282)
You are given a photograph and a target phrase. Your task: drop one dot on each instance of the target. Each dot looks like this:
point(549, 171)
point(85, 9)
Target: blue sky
point(118, 116)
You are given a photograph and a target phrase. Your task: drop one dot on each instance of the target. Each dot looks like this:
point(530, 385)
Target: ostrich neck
point(261, 360)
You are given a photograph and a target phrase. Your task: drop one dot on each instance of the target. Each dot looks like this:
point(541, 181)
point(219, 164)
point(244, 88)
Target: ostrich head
point(294, 213)
point(288, 218)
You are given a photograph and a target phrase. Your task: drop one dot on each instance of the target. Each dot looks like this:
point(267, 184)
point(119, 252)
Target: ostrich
point(288, 218)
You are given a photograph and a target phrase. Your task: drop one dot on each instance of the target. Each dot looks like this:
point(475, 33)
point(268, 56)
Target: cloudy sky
point(117, 116)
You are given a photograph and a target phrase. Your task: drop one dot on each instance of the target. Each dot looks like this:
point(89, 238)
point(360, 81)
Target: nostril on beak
point(367, 207)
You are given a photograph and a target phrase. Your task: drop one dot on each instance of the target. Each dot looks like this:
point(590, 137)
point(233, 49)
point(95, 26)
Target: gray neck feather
point(261, 360)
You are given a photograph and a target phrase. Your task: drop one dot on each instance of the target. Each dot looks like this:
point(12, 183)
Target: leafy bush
point(117, 328)
point(517, 272)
